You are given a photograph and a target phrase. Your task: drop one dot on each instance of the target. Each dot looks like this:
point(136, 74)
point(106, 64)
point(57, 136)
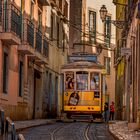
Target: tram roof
point(82, 64)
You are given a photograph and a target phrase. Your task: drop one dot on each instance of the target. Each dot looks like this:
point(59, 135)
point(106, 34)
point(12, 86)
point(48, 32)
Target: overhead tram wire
point(87, 35)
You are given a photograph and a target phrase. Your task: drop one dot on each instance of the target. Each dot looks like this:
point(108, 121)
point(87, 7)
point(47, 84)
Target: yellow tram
point(83, 88)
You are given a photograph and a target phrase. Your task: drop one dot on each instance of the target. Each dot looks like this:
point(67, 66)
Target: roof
point(82, 64)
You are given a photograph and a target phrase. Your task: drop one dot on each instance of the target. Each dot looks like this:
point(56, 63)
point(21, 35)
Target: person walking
point(112, 110)
point(106, 112)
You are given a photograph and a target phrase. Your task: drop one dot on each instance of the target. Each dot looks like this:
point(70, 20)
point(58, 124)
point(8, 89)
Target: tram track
point(86, 132)
point(52, 134)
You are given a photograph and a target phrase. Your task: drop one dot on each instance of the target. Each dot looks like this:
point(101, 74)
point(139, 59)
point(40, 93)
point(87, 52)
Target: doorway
point(37, 95)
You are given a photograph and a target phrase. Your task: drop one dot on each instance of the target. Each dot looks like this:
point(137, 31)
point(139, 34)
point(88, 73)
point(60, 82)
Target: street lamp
point(103, 13)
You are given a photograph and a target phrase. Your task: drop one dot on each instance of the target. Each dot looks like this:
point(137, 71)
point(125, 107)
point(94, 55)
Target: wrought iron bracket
point(118, 23)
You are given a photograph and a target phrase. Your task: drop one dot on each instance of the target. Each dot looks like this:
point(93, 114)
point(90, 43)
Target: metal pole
point(2, 121)
point(13, 133)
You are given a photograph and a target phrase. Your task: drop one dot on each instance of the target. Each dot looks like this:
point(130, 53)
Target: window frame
point(32, 9)
point(20, 92)
point(39, 19)
point(5, 72)
point(52, 28)
point(58, 36)
point(107, 58)
point(94, 26)
point(107, 35)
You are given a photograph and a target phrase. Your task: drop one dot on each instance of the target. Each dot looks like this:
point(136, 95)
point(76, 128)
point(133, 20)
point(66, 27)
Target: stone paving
point(20, 125)
point(121, 131)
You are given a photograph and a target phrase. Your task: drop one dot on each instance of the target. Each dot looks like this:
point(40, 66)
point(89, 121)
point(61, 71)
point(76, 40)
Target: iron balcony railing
point(38, 40)
point(45, 47)
point(28, 32)
point(11, 19)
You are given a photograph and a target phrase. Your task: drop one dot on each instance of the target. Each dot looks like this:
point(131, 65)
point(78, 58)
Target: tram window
point(69, 83)
point(82, 80)
point(94, 81)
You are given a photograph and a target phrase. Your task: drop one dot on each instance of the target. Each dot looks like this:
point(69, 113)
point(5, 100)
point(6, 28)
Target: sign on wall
point(126, 51)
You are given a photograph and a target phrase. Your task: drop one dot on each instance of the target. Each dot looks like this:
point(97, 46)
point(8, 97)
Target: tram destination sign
point(92, 58)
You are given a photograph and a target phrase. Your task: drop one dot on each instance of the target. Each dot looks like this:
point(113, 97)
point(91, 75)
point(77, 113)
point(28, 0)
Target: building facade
point(128, 61)
point(88, 33)
point(30, 59)
point(57, 31)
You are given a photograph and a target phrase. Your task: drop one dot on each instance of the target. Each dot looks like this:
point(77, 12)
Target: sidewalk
point(20, 125)
point(120, 131)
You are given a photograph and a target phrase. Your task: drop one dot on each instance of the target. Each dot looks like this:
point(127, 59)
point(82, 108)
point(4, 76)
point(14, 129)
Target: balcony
point(32, 43)
point(10, 19)
point(42, 55)
point(44, 2)
point(27, 45)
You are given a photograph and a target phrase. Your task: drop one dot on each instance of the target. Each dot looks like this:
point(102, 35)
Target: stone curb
point(114, 136)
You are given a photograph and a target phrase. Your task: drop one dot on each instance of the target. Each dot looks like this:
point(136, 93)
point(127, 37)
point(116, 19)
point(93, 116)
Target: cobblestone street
point(69, 131)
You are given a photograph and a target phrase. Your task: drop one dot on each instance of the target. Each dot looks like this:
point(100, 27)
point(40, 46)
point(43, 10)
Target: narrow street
point(69, 131)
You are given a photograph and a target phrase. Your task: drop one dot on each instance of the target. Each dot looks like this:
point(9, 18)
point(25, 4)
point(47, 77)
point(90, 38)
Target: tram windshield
point(81, 80)
point(94, 81)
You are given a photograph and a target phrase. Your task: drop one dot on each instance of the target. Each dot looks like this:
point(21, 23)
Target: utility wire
point(87, 35)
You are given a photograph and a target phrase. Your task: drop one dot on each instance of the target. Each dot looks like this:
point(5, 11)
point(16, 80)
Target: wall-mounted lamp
point(103, 13)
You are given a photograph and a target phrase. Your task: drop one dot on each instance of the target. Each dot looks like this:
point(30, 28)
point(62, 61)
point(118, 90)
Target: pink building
point(23, 56)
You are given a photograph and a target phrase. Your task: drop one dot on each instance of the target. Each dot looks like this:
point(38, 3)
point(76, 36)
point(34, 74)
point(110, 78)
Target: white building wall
point(95, 5)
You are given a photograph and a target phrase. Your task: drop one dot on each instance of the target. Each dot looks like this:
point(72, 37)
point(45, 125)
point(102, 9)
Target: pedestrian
point(112, 110)
point(106, 112)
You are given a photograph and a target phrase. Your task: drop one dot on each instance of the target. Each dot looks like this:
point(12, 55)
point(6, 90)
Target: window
point(92, 26)
point(51, 26)
point(20, 78)
point(32, 10)
point(69, 84)
point(56, 87)
point(0, 12)
point(82, 80)
point(5, 72)
point(107, 31)
point(57, 34)
point(63, 40)
point(66, 9)
point(39, 19)
point(107, 64)
point(94, 81)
